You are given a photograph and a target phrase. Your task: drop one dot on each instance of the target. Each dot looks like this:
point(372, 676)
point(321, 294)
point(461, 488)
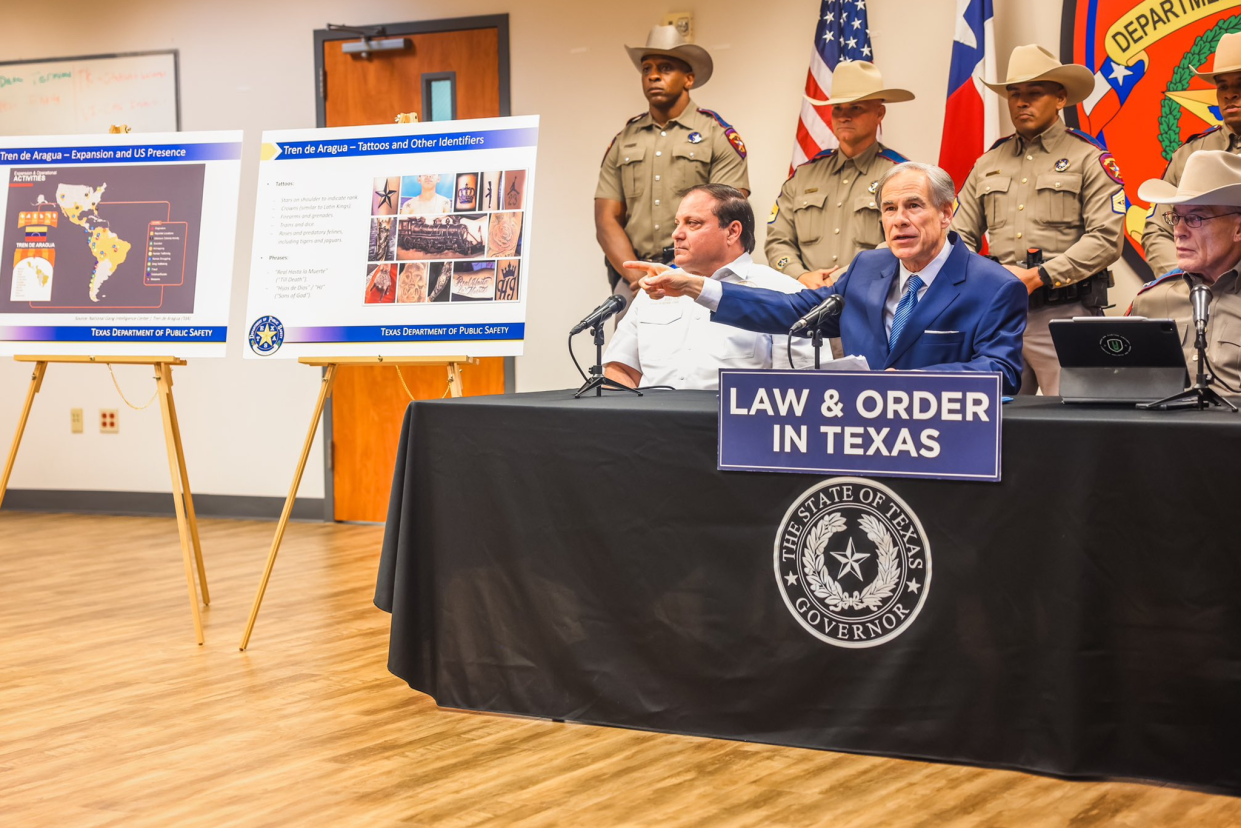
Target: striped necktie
point(904, 309)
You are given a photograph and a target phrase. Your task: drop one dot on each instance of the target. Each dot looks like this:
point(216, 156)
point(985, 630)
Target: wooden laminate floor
point(111, 716)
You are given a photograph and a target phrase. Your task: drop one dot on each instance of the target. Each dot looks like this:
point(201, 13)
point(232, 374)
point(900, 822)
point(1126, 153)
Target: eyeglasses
point(1192, 222)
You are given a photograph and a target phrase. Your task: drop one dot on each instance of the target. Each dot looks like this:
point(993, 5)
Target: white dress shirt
point(672, 341)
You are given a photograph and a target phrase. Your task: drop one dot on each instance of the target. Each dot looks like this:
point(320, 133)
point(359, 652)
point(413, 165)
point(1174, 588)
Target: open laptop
point(1118, 359)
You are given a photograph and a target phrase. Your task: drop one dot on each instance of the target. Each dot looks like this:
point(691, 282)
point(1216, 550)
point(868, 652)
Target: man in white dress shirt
point(927, 302)
point(672, 341)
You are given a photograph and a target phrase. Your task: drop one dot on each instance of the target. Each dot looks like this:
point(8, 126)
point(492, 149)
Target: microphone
point(1200, 298)
point(831, 306)
point(610, 307)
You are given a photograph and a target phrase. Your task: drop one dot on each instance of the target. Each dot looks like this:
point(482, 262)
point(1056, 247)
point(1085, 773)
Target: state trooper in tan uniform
point(1051, 192)
point(1157, 240)
point(826, 211)
point(1203, 211)
point(660, 153)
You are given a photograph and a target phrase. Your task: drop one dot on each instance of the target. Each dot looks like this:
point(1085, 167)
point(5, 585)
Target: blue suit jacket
point(970, 319)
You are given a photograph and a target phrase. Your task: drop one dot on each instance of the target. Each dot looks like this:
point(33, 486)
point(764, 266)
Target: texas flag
point(972, 115)
point(1112, 86)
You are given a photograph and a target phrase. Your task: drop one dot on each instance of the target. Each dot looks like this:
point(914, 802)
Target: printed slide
point(393, 240)
point(117, 244)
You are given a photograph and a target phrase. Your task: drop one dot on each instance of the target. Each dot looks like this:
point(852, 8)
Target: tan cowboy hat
point(1033, 63)
point(666, 40)
point(1211, 178)
point(859, 80)
point(1227, 57)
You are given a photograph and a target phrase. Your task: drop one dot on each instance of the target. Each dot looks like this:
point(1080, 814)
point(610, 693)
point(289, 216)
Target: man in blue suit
point(927, 302)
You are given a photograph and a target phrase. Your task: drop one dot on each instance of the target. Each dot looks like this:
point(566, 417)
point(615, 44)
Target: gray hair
point(943, 190)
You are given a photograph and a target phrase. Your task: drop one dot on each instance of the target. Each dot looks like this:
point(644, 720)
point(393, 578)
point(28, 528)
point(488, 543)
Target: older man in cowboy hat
point(669, 148)
point(1225, 75)
point(1203, 211)
point(1046, 193)
point(826, 211)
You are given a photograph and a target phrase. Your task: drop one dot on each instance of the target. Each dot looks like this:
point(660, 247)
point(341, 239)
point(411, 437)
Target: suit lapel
point(942, 293)
point(876, 296)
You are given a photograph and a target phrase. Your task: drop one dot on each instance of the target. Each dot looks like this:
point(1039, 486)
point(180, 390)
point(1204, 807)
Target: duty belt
point(1091, 292)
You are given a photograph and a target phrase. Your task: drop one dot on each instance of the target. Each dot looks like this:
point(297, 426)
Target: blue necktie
point(905, 309)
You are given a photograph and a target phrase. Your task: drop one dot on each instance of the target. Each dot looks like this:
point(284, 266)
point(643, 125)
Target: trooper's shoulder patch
point(775, 211)
point(735, 140)
point(1111, 168)
point(731, 134)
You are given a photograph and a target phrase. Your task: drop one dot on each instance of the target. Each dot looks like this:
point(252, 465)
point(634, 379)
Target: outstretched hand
point(661, 280)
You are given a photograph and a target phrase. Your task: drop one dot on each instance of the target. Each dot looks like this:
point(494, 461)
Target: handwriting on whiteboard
point(85, 95)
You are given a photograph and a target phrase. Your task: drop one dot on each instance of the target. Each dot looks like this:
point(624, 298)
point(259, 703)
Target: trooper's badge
point(852, 562)
point(694, 138)
point(1062, 165)
point(874, 186)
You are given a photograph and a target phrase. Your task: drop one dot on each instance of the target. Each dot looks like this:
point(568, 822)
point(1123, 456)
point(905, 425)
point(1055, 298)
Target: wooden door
point(369, 401)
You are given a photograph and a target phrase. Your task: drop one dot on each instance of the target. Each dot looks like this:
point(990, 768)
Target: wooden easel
point(183, 501)
point(329, 366)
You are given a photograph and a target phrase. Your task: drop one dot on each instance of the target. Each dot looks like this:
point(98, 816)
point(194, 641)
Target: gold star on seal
point(1199, 103)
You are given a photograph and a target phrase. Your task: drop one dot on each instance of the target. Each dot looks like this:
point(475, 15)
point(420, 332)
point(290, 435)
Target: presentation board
point(117, 244)
point(393, 240)
point(87, 95)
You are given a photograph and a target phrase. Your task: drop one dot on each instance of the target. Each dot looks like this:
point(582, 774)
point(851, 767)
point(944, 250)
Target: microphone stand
point(598, 381)
point(816, 340)
point(1200, 395)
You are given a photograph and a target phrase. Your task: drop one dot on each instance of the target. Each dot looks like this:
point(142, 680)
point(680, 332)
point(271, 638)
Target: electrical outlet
point(108, 422)
point(684, 22)
point(77, 420)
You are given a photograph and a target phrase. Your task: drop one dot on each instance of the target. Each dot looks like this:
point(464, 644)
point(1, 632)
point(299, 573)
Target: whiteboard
point(76, 96)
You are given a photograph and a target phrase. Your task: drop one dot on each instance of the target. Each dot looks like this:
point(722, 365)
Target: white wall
point(248, 65)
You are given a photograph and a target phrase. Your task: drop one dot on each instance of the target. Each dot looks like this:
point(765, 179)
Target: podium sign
point(888, 423)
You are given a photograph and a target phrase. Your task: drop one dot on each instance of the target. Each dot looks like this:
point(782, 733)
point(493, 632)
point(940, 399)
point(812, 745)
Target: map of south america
point(80, 205)
point(98, 240)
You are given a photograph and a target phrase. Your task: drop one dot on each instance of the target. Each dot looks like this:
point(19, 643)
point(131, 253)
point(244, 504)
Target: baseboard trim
point(158, 504)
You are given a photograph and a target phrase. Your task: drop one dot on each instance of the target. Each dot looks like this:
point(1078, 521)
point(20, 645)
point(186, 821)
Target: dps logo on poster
point(852, 562)
point(1147, 100)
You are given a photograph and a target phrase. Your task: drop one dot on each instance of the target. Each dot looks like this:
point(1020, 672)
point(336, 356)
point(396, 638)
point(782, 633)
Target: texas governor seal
point(852, 562)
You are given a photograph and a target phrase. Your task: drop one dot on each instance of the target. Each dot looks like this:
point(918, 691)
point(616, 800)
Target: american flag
point(843, 34)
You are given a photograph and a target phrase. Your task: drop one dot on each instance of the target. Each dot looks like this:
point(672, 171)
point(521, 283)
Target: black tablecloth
point(584, 560)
